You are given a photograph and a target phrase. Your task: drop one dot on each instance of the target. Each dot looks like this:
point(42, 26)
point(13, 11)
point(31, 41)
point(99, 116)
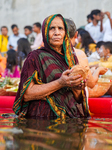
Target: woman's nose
point(57, 31)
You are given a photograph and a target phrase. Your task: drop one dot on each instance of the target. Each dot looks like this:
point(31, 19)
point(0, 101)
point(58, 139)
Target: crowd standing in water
point(46, 89)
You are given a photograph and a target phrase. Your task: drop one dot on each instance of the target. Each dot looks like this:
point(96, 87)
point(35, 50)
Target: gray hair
point(71, 27)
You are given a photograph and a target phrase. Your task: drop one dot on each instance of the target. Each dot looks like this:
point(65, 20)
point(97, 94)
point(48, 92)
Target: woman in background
point(23, 50)
point(88, 45)
point(12, 69)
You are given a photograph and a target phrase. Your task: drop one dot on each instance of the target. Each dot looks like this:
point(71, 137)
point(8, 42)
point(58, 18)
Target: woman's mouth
point(57, 39)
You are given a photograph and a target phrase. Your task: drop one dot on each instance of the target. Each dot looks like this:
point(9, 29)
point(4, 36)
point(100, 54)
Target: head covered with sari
point(67, 47)
point(43, 66)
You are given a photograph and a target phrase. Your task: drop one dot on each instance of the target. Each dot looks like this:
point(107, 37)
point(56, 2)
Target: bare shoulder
point(82, 58)
point(80, 53)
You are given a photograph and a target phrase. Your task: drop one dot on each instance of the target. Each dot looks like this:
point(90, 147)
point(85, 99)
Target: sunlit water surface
point(70, 134)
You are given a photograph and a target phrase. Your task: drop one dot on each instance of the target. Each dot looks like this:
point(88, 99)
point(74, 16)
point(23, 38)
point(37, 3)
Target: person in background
point(94, 28)
point(38, 40)
point(3, 40)
point(87, 43)
point(12, 69)
point(107, 27)
point(10, 47)
point(82, 58)
point(29, 34)
point(15, 37)
point(23, 49)
point(106, 60)
point(78, 44)
point(105, 53)
point(89, 20)
point(2, 64)
point(95, 55)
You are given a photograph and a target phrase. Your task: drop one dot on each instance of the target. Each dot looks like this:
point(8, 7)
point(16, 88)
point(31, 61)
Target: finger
point(67, 72)
point(73, 83)
point(77, 80)
point(82, 87)
point(75, 77)
point(78, 87)
point(73, 68)
point(85, 80)
point(85, 83)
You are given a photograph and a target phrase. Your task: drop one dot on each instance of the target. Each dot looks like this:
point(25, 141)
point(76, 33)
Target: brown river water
point(71, 134)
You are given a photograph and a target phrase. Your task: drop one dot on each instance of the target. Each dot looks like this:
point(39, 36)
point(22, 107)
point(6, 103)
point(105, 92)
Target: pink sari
point(16, 73)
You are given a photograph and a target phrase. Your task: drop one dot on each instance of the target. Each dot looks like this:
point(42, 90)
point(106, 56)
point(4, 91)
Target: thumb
point(68, 71)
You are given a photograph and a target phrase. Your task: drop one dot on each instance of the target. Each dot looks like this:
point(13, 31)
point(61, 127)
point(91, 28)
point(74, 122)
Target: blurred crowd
point(95, 39)
point(15, 48)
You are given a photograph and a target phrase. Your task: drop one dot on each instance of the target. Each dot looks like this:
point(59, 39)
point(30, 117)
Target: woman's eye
point(52, 28)
point(60, 28)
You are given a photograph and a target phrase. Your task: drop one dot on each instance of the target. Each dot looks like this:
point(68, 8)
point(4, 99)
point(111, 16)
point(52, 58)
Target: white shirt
point(107, 31)
point(94, 31)
point(13, 40)
point(37, 42)
point(94, 57)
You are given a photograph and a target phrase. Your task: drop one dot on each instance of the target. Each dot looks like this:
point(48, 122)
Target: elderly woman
point(46, 90)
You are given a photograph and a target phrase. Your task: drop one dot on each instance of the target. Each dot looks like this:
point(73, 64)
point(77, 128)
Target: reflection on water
point(70, 134)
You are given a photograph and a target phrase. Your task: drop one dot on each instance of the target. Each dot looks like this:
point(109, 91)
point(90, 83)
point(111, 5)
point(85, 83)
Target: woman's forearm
point(36, 92)
point(96, 75)
point(93, 78)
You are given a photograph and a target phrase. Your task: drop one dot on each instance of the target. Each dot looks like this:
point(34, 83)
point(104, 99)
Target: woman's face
point(79, 38)
point(56, 32)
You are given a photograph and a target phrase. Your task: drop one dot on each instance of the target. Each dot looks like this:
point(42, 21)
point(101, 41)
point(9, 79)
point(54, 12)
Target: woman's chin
point(56, 44)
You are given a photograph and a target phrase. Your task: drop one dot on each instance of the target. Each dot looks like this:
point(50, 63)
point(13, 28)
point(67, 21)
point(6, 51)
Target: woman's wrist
point(60, 83)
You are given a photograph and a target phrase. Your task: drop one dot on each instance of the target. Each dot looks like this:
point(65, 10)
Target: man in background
point(94, 28)
point(3, 40)
point(29, 34)
point(89, 20)
point(15, 37)
point(107, 27)
point(38, 40)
